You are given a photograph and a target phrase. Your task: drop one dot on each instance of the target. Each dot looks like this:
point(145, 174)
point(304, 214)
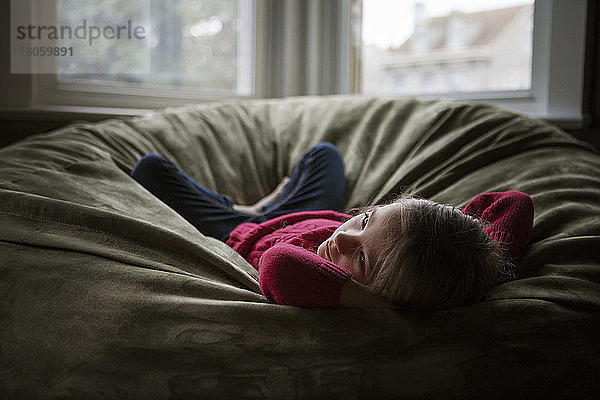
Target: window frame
point(49, 93)
point(293, 38)
point(559, 34)
point(558, 61)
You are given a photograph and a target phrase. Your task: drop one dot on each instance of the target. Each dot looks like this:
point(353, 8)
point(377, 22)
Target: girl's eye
point(365, 220)
point(361, 260)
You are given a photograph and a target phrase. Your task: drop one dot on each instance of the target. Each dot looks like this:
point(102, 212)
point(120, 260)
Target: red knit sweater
point(283, 249)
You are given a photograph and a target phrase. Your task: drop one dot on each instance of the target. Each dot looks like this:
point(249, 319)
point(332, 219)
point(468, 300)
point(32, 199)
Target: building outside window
point(400, 79)
point(486, 40)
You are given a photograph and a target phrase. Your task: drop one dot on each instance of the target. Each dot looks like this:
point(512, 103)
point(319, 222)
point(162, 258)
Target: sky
point(390, 22)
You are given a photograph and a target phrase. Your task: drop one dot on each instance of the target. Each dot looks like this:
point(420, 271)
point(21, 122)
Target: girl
point(410, 252)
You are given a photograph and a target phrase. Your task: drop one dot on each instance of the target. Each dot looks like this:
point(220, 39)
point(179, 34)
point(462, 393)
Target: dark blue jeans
point(317, 183)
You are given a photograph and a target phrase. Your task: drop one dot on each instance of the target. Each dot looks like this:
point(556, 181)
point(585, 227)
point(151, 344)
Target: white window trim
point(559, 35)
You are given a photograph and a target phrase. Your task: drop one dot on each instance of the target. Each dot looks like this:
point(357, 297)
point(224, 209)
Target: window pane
point(446, 46)
point(188, 44)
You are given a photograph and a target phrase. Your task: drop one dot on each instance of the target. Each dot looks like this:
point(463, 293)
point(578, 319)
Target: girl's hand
point(354, 295)
point(256, 208)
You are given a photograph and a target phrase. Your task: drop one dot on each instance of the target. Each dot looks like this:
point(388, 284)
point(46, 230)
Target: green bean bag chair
point(108, 293)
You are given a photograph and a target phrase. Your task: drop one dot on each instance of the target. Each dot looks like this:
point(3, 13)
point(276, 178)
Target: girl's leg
point(317, 183)
point(211, 213)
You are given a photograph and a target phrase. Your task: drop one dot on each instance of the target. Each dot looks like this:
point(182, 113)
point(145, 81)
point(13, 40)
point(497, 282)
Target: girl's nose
point(346, 243)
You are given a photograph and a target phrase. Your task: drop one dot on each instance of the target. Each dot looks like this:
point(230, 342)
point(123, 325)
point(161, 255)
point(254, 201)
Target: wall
point(591, 134)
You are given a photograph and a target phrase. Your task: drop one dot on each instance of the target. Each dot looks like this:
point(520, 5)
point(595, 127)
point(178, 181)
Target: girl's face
point(356, 244)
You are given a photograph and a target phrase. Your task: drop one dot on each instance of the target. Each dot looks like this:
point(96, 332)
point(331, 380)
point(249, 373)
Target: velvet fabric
point(108, 293)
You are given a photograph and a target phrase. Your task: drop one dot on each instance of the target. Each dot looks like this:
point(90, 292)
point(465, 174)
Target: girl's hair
point(435, 257)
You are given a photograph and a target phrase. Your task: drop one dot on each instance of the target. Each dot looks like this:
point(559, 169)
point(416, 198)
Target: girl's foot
point(256, 208)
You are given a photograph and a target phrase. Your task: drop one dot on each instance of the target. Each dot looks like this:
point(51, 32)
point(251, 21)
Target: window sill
point(72, 113)
point(69, 113)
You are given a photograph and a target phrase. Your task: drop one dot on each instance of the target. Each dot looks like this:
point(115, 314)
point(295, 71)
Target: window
point(274, 49)
point(457, 31)
point(519, 54)
point(428, 81)
point(204, 50)
point(191, 44)
point(433, 36)
point(400, 80)
point(138, 53)
point(457, 79)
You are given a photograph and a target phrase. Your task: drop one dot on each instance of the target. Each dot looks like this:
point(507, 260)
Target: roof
point(484, 27)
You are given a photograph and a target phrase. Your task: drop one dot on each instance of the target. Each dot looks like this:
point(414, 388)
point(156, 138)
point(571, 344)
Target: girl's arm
point(291, 275)
point(508, 215)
